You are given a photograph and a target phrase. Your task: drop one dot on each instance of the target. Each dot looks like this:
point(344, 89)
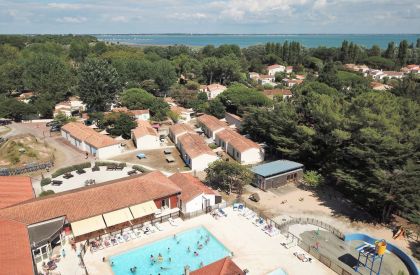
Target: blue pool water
point(180, 257)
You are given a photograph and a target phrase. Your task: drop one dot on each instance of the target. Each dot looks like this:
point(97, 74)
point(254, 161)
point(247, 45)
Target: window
point(165, 203)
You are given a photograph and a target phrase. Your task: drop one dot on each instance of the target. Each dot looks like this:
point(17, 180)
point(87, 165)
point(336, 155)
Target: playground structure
point(370, 254)
point(392, 249)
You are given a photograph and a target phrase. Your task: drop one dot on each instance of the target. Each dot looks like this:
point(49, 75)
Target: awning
point(117, 217)
point(42, 233)
point(143, 209)
point(88, 225)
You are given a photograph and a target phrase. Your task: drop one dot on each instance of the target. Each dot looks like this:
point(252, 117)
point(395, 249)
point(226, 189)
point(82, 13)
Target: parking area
point(156, 159)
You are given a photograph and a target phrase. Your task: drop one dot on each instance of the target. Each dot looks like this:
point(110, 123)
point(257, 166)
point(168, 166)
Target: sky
point(209, 16)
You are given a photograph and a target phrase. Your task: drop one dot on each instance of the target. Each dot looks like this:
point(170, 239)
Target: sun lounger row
point(125, 236)
point(218, 213)
point(257, 221)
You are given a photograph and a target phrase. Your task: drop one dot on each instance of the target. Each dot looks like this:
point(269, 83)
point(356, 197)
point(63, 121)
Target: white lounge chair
point(251, 215)
point(159, 226)
point(138, 232)
point(120, 239)
point(131, 234)
point(173, 222)
point(153, 228)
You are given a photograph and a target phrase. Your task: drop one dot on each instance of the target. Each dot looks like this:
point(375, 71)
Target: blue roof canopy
point(276, 167)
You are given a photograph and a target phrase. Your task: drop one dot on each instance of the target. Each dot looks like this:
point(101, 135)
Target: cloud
point(119, 18)
point(65, 6)
point(70, 19)
point(188, 16)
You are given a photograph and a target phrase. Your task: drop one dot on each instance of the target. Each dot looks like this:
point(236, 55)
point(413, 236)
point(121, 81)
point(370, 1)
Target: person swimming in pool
point(169, 249)
point(188, 249)
point(160, 258)
point(201, 264)
point(195, 253)
point(200, 246)
point(133, 269)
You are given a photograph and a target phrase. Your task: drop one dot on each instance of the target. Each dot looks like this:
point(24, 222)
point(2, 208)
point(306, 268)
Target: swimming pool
point(174, 259)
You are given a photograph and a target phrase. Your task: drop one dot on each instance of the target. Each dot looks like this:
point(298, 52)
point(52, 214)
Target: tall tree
point(98, 84)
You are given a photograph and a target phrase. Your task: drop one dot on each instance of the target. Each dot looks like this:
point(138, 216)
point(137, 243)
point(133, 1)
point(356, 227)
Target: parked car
point(55, 128)
point(52, 123)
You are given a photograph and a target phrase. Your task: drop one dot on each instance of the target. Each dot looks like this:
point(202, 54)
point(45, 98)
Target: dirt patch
point(156, 159)
point(24, 149)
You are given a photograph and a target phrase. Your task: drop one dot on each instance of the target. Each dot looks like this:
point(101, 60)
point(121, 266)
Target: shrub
point(95, 168)
point(68, 169)
point(106, 163)
point(140, 168)
point(45, 181)
point(212, 146)
point(46, 193)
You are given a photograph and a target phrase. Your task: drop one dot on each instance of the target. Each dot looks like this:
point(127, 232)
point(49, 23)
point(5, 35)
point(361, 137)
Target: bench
point(67, 175)
point(56, 182)
point(131, 172)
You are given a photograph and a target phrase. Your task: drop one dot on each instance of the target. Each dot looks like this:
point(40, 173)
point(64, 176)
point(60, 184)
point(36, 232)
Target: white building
point(393, 74)
point(376, 74)
point(233, 119)
point(137, 114)
point(145, 136)
point(70, 106)
point(276, 68)
point(178, 130)
point(195, 195)
point(184, 115)
point(210, 125)
point(254, 75)
point(267, 80)
point(213, 90)
point(289, 69)
point(195, 152)
point(88, 140)
point(291, 82)
point(242, 149)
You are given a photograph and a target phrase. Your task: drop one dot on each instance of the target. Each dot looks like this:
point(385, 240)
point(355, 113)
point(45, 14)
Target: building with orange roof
point(184, 115)
point(289, 69)
point(15, 249)
point(195, 195)
point(213, 90)
point(210, 125)
point(195, 151)
point(276, 68)
point(177, 130)
point(233, 119)
point(291, 82)
point(145, 136)
point(15, 189)
point(242, 149)
point(70, 106)
point(223, 266)
point(88, 140)
point(137, 114)
point(89, 211)
point(267, 80)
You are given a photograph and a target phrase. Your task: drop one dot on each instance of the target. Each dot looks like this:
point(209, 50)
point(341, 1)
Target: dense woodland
point(365, 143)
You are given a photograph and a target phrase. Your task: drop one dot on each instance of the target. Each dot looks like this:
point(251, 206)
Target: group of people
point(159, 259)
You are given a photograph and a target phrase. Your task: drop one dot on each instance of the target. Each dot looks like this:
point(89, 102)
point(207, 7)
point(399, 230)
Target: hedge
point(140, 168)
point(68, 169)
point(106, 163)
point(46, 193)
point(45, 181)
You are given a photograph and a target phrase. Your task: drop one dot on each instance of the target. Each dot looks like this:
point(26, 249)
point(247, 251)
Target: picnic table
point(67, 175)
point(141, 156)
point(56, 182)
point(81, 171)
point(131, 172)
point(170, 159)
point(167, 151)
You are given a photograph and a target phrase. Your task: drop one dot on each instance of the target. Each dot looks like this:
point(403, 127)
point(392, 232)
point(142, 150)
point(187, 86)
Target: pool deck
point(253, 249)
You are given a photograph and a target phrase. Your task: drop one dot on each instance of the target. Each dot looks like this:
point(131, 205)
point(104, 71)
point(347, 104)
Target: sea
point(246, 40)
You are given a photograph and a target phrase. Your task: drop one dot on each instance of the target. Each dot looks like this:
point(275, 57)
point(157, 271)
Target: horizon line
point(190, 33)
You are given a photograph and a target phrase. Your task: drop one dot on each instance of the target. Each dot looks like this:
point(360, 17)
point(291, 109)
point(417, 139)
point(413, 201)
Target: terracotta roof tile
point(88, 135)
point(224, 266)
point(15, 189)
point(190, 186)
point(238, 141)
point(274, 66)
point(194, 145)
point(93, 200)
point(215, 86)
point(180, 128)
point(144, 129)
point(211, 122)
point(15, 251)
